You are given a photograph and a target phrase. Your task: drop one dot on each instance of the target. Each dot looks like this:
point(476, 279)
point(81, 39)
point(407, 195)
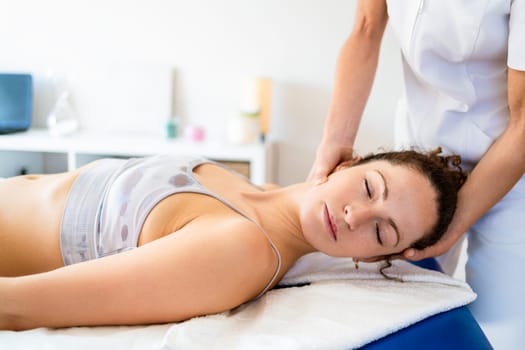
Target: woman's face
point(370, 210)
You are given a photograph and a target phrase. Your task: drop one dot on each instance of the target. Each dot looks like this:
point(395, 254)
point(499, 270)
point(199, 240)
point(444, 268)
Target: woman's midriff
point(31, 209)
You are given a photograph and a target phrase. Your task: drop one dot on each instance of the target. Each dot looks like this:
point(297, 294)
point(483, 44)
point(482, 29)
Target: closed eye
point(369, 193)
point(378, 234)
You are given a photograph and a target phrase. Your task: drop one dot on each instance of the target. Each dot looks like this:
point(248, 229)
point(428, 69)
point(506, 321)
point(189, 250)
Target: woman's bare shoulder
point(232, 254)
point(244, 238)
point(256, 261)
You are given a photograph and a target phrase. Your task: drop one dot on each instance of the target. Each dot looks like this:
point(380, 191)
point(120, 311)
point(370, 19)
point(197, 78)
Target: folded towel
point(339, 308)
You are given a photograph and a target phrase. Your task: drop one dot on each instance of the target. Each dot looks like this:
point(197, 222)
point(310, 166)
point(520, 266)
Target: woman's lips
point(330, 224)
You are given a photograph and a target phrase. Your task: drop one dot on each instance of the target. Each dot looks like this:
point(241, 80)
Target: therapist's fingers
point(348, 163)
point(327, 161)
point(429, 252)
point(412, 254)
point(324, 165)
point(322, 175)
point(441, 247)
point(416, 255)
point(319, 173)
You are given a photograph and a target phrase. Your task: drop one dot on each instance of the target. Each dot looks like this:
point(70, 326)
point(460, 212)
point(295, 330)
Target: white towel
point(342, 308)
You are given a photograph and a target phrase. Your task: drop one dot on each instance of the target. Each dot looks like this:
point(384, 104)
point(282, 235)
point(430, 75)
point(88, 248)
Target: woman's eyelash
point(378, 234)
point(368, 189)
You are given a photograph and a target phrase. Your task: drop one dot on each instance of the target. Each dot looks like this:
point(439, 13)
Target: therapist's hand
point(441, 247)
point(328, 157)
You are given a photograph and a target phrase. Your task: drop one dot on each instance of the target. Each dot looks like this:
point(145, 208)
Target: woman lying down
point(163, 239)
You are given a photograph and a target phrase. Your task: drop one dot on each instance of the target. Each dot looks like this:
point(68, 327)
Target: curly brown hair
point(445, 175)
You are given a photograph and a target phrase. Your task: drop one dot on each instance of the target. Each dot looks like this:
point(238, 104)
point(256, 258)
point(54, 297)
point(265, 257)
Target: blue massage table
point(453, 329)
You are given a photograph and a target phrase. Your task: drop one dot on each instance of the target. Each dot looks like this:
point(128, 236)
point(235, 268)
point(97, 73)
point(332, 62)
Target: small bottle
point(171, 128)
point(194, 133)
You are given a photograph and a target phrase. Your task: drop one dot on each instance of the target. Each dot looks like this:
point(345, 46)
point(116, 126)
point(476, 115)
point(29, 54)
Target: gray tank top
point(137, 186)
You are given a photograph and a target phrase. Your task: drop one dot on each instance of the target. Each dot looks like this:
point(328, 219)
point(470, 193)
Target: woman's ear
point(348, 163)
point(343, 165)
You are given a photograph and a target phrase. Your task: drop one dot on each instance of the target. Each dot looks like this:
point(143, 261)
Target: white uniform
point(455, 55)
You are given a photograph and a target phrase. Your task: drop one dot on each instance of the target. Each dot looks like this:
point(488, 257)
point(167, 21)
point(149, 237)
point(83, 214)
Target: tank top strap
point(196, 161)
point(193, 163)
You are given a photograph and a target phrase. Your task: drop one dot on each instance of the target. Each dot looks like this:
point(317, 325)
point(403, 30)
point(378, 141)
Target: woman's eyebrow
point(385, 196)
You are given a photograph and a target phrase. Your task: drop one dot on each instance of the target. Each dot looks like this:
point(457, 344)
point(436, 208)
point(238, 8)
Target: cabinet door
point(242, 168)
point(13, 163)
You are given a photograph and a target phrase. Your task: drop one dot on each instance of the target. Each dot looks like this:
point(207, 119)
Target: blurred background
point(129, 66)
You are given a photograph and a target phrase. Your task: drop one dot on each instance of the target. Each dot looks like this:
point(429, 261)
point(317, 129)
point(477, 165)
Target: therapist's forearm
point(356, 67)
point(500, 168)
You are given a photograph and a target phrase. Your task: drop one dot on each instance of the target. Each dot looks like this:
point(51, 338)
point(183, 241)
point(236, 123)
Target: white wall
point(112, 52)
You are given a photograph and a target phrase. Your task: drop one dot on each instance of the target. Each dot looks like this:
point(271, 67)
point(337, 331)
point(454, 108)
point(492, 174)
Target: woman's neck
point(278, 212)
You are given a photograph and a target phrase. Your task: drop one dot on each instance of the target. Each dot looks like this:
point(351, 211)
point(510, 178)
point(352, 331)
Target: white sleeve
point(516, 54)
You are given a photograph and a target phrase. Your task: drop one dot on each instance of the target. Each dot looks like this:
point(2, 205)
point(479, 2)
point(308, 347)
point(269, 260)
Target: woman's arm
point(207, 267)
point(495, 174)
point(355, 72)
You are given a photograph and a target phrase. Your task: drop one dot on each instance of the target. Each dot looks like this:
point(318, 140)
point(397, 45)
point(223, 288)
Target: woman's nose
point(355, 215)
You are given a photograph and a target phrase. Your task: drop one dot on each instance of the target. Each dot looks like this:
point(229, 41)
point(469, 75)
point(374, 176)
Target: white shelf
point(258, 156)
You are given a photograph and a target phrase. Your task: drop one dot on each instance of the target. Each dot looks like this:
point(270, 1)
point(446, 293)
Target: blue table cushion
point(453, 329)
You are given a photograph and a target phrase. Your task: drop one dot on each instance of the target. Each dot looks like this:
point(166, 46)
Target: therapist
point(463, 64)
